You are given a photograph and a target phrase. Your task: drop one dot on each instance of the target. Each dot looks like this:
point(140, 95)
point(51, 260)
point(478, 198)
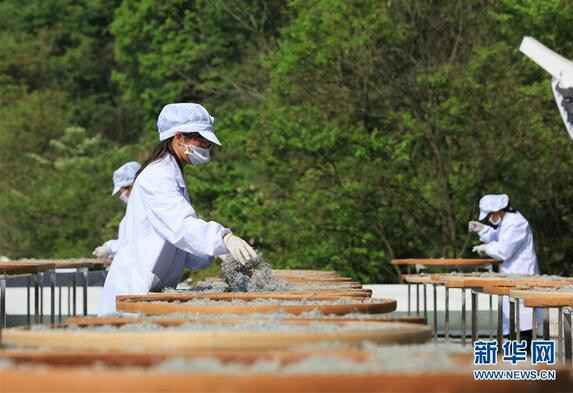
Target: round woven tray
point(170, 340)
point(540, 298)
point(305, 282)
point(67, 380)
point(165, 303)
point(148, 359)
point(444, 262)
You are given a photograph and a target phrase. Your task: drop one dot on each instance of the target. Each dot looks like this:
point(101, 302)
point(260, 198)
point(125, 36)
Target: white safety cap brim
point(118, 187)
point(205, 130)
point(482, 214)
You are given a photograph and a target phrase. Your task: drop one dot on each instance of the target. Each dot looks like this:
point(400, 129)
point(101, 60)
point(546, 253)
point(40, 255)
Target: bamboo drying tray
point(67, 380)
point(171, 340)
point(445, 262)
point(165, 303)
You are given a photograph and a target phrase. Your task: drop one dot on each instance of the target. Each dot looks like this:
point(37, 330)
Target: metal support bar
point(52, 276)
point(60, 303)
point(36, 298)
point(409, 299)
point(69, 299)
point(560, 342)
point(533, 324)
point(491, 327)
point(499, 322)
point(435, 311)
point(511, 319)
point(417, 299)
point(74, 289)
point(2, 301)
point(474, 316)
point(447, 318)
point(425, 303)
point(464, 316)
point(546, 324)
point(86, 284)
point(28, 305)
point(41, 279)
point(567, 334)
point(517, 321)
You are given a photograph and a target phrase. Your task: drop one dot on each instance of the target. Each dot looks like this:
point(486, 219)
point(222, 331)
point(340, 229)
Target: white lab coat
point(162, 235)
point(512, 243)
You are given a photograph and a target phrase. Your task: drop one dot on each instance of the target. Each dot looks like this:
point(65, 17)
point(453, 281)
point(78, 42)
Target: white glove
point(239, 249)
point(102, 252)
point(475, 226)
point(481, 249)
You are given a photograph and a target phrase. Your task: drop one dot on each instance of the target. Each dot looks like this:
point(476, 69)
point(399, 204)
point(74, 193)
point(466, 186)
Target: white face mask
point(495, 222)
point(197, 155)
point(123, 197)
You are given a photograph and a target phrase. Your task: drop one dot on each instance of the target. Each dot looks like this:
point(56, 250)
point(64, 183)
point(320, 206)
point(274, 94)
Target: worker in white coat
point(510, 240)
point(123, 179)
point(163, 233)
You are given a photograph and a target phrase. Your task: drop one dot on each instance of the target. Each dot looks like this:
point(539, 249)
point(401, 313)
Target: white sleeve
point(112, 246)
point(173, 217)
point(488, 234)
point(195, 262)
point(509, 242)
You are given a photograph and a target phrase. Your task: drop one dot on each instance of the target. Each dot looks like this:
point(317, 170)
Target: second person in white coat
point(510, 241)
point(163, 233)
point(123, 179)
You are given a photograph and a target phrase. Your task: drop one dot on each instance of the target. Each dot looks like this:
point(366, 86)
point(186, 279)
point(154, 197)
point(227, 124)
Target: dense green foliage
point(354, 131)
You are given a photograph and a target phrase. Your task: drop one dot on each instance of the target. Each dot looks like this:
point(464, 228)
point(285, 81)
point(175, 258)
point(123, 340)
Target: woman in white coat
point(123, 179)
point(510, 240)
point(163, 233)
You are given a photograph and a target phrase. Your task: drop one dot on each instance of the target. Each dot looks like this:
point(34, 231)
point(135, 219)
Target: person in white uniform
point(123, 179)
point(163, 233)
point(510, 240)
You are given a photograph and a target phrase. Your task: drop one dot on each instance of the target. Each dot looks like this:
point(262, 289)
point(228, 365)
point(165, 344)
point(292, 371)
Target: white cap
point(492, 203)
point(186, 118)
point(124, 176)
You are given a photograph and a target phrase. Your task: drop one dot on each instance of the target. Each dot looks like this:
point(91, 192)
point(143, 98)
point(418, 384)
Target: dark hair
point(158, 152)
point(508, 209)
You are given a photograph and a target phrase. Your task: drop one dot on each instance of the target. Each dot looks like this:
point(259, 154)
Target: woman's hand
point(239, 249)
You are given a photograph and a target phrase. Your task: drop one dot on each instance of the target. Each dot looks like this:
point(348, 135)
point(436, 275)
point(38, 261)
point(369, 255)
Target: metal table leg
point(463, 316)
point(2, 301)
point(28, 305)
point(511, 319)
point(447, 318)
point(546, 324)
point(86, 284)
point(417, 299)
point(533, 324)
point(499, 322)
point(424, 286)
point(60, 303)
point(435, 311)
point(517, 321)
point(567, 334)
point(36, 298)
point(409, 299)
point(491, 328)
point(74, 289)
point(41, 277)
point(560, 341)
point(474, 316)
point(52, 276)
point(69, 299)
